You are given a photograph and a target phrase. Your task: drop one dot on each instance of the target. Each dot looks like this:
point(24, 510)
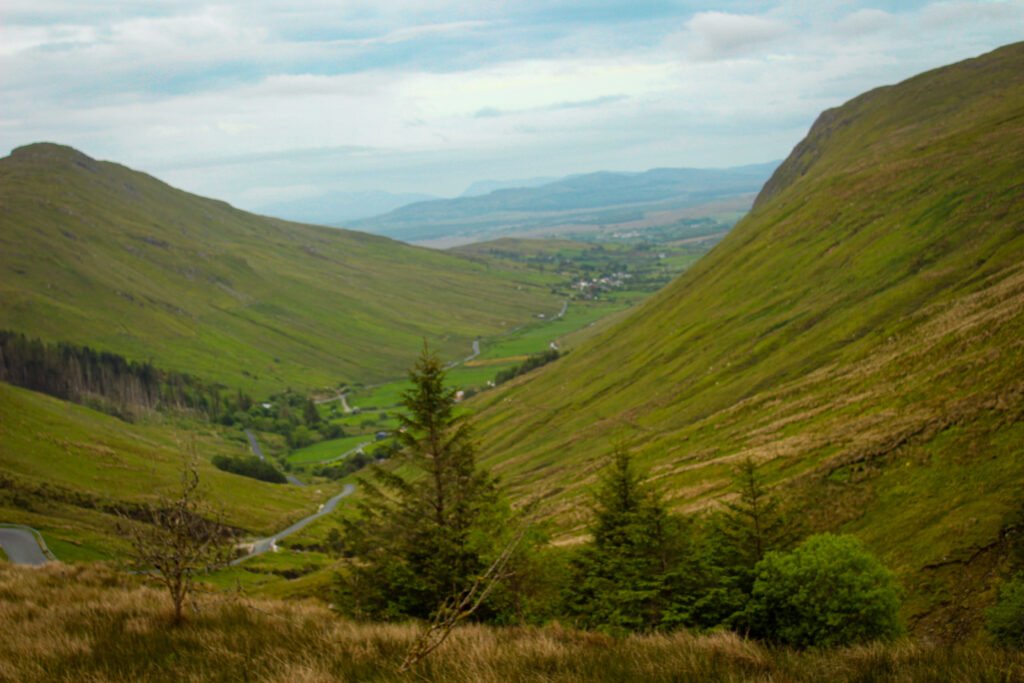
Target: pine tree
point(421, 539)
point(623, 578)
point(310, 415)
point(754, 524)
point(733, 543)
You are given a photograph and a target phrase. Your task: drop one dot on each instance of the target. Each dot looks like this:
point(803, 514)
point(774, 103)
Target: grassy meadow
point(102, 626)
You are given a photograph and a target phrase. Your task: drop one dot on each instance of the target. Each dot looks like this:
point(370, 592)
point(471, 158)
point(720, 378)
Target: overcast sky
point(270, 100)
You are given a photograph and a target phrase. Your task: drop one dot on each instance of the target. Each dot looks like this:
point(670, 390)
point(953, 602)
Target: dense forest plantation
point(110, 382)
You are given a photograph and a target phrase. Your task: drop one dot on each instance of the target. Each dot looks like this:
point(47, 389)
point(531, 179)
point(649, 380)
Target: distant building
point(380, 436)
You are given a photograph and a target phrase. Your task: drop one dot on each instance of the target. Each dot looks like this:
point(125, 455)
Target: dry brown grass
point(87, 623)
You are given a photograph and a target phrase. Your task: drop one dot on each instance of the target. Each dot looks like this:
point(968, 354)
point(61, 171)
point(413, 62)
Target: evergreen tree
point(732, 544)
point(310, 415)
point(622, 580)
point(420, 540)
point(754, 524)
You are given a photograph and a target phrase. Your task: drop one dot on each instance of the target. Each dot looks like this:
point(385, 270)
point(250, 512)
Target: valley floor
point(86, 622)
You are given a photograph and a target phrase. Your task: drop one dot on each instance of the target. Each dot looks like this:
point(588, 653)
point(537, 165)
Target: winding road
point(262, 545)
point(343, 397)
point(21, 546)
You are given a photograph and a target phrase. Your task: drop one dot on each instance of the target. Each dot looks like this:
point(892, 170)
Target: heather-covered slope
point(92, 252)
point(860, 333)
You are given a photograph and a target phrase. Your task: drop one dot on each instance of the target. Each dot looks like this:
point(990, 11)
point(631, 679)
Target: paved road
point(255, 445)
point(476, 352)
point(262, 545)
point(21, 546)
point(340, 397)
point(565, 307)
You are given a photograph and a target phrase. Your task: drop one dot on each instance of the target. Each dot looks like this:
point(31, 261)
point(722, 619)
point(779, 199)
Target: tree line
point(108, 381)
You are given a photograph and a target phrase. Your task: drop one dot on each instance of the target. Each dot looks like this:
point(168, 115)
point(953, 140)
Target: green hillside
point(92, 252)
point(65, 468)
point(860, 333)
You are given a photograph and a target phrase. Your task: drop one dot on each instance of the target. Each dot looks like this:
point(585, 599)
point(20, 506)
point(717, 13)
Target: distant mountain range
point(580, 202)
point(339, 207)
point(487, 186)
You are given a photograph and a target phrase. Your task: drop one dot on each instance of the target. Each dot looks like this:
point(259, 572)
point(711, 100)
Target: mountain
point(859, 334)
point(338, 207)
point(95, 253)
point(583, 201)
point(487, 186)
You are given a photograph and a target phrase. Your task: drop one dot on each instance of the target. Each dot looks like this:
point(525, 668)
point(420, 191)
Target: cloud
point(718, 35)
point(864, 21)
point(492, 112)
point(956, 15)
point(235, 100)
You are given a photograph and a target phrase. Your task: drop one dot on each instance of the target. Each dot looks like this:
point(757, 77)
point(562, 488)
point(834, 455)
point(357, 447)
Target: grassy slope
point(56, 455)
point(93, 252)
point(860, 333)
point(100, 626)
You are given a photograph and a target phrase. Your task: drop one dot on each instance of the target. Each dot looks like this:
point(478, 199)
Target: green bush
point(829, 591)
point(1005, 620)
point(249, 467)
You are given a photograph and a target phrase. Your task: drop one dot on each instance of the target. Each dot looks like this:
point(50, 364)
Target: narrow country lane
point(262, 545)
point(254, 445)
point(21, 546)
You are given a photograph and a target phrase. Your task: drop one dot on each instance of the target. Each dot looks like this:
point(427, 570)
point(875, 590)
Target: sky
point(268, 101)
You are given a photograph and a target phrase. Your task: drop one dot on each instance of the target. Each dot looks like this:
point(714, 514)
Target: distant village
point(592, 288)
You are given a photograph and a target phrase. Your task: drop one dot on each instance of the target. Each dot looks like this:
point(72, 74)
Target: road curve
point(21, 546)
point(262, 545)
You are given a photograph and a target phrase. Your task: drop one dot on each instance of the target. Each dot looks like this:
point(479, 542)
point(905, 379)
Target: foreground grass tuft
point(87, 623)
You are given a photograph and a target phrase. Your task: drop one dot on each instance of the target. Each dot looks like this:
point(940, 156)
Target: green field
point(536, 337)
point(327, 450)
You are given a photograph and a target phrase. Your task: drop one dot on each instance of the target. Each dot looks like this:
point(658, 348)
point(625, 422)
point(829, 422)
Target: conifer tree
point(310, 415)
point(754, 524)
point(622, 580)
point(422, 538)
point(733, 543)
